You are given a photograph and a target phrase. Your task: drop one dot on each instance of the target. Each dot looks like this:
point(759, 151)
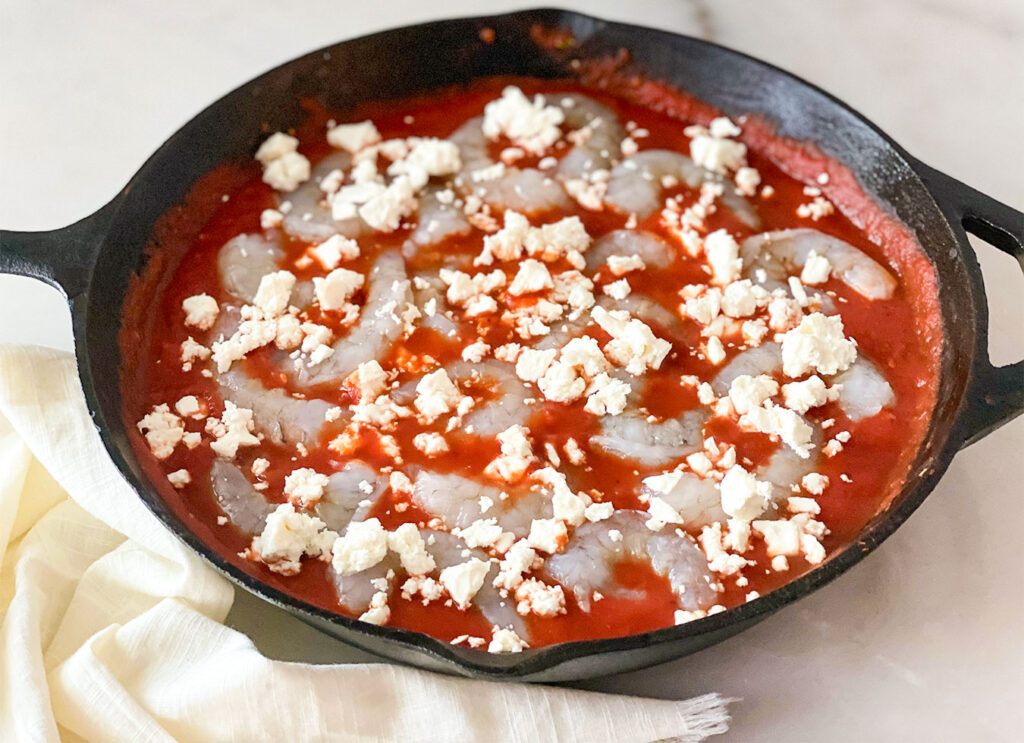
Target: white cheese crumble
point(363, 545)
point(607, 396)
point(816, 269)
point(234, 429)
point(274, 292)
point(408, 544)
point(633, 345)
point(353, 137)
point(547, 535)
point(436, 394)
point(744, 497)
point(378, 612)
point(284, 169)
point(432, 444)
point(518, 559)
point(535, 597)
point(747, 392)
point(817, 344)
point(463, 581)
point(201, 311)
point(179, 478)
point(814, 483)
point(305, 487)
point(162, 430)
point(810, 393)
point(516, 455)
point(334, 250)
point(723, 256)
point(711, 147)
point(505, 641)
point(334, 290)
point(782, 422)
point(288, 535)
point(531, 125)
point(533, 276)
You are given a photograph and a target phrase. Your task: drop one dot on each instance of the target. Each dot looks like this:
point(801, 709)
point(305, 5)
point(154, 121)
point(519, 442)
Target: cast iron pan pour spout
point(93, 260)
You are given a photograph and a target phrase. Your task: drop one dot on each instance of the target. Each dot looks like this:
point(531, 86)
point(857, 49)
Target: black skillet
point(91, 262)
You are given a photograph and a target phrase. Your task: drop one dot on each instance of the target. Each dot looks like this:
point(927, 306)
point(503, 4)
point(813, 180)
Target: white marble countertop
point(922, 641)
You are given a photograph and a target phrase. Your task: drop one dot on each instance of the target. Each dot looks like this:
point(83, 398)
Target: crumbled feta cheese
point(533, 276)
point(798, 504)
point(369, 380)
point(816, 269)
point(475, 352)
point(363, 545)
point(817, 344)
point(275, 146)
point(201, 311)
point(188, 407)
point(480, 533)
point(505, 641)
point(287, 172)
point(741, 298)
point(516, 455)
point(436, 395)
point(617, 289)
point(661, 513)
point(288, 535)
point(378, 612)
point(547, 535)
point(234, 429)
point(274, 292)
point(163, 431)
point(814, 483)
point(747, 392)
point(723, 256)
point(191, 352)
point(408, 544)
point(810, 393)
point(744, 497)
point(535, 597)
point(778, 421)
point(334, 291)
point(620, 265)
point(780, 537)
point(532, 363)
point(532, 126)
point(710, 147)
point(715, 352)
point(334, 250)
point(179, 478)
point(464, 580)
point(633, 343)
point(430, 443)
point(599, 511)
point(385, 211)
point(561, 383)
point(819, 208)
point(747, 180)
point(567, 506)
point(305, 487)
point(518, 559)
point(607, 396)
point(353, 137)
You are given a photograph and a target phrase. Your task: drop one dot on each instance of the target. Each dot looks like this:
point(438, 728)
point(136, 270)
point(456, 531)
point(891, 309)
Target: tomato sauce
point(900, 334)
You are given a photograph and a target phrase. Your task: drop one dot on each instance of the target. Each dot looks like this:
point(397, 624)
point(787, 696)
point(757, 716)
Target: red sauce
point(901, 334)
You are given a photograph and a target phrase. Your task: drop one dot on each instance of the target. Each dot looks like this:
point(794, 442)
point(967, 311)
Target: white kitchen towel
point(111, 628)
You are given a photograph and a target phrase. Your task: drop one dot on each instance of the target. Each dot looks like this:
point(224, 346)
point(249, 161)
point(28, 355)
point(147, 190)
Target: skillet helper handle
point(996, 393)
point(63, 258)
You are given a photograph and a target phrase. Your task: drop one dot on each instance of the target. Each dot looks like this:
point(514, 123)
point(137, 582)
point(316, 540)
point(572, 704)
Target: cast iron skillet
point(91, 262)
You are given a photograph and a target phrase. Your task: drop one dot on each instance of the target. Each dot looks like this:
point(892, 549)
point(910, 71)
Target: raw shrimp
point(864, 391)
point(655, 252)
point(456, 501)
point(698, 500)
point(283, 419)
point(246, 259)
point(630, 436)
point(430, 287)
point(525, 190)
point(785, 467)
point(356, 590)
point(636, 184)
point(604, 143)
point(508, 408)
point(308, 215)
point(779, 253)
point(349, 495)
point(436, 221)
point(243, 504)
point(763, 359)
point(587, 564)
point(448, 550)
point(378, 326)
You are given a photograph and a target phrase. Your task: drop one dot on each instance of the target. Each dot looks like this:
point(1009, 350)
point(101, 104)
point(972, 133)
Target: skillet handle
point(996, 393)
point(63, 258)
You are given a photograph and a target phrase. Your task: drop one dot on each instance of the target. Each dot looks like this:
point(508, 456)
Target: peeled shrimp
point(378, 326)
point(246, 259)
point(435, 222)
point(601, 147)
point(346, 499)
point(243, 504)
point(636, 184)
point(280, 417)
point(697, 500)
point(508, 407)
point(430, 287)
point(779, 253)
point(356, 590)
point(456, 501)
point(587, 564)
point(864, 391)
point(763, 359)
point(655, 252)
point(448, 550)
point(630, 436)
point(309, 217)
point(520, 189)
